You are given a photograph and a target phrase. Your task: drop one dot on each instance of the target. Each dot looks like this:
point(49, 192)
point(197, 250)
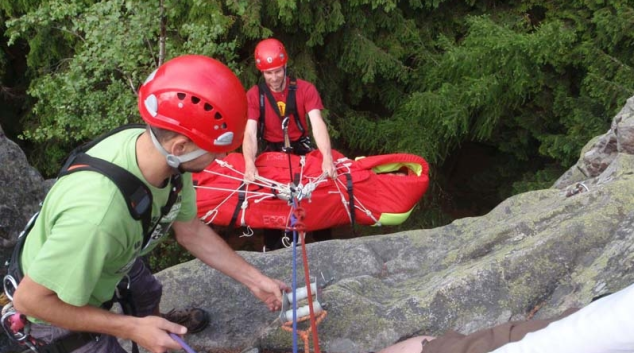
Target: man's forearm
point(249, 149)
point(32, 299)
point(320, 132)
point(202, 242)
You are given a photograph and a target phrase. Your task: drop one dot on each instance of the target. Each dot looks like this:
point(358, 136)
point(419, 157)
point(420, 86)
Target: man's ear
point(178, 145)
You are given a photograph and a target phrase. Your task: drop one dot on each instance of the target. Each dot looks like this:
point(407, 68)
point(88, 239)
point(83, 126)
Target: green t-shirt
point(84, 240)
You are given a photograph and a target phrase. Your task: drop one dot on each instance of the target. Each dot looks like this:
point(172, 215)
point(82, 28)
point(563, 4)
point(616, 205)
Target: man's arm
point(250, 149)
point(322, 139)
point(151, 332)
point(210, 248)
point(605, 325)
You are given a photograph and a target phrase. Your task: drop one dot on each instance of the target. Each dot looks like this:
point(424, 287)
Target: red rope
point(313, 324)
point(300, 227)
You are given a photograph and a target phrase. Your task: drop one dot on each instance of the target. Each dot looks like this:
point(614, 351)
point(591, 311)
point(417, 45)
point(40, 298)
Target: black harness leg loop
point(349, 186)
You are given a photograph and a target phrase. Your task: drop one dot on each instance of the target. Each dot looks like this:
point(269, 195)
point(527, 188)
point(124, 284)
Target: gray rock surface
point(539, 251)
point(22, 189)
point(601, 151)
point(534, 255)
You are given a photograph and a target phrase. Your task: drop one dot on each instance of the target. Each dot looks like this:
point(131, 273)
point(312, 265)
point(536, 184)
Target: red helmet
point(270, 54)
point(198, 97)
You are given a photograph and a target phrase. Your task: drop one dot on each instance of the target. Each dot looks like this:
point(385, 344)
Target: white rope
point(229, 190)
point(244, 206)
point(210, 213)
point(267, 183)
point(249, 232)
point(214, 211)
point(357, 204)
point(284, 192)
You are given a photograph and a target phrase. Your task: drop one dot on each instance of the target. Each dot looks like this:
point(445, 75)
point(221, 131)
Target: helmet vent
point(218, 116)
point(195, 99)
point(208, 107)
point(181, 96)
point(224, 126)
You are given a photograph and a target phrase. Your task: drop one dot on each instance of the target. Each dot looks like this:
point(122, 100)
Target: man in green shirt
point(84, 241)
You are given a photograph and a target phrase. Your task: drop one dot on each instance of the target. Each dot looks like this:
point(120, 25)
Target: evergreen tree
point(523, 83)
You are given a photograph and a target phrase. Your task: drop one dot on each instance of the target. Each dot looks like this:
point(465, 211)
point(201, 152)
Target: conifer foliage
point(532, 81)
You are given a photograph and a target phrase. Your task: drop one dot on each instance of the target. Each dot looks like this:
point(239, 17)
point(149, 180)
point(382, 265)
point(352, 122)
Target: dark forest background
point(498, 96)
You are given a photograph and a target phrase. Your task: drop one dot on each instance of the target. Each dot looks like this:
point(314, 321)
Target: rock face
point(601, 151)
point(535, 254)
point(540, 251)
point(22, 190)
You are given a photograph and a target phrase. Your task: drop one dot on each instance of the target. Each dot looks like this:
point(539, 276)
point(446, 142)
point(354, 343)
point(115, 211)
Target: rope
point(294, 289)
point(286, 192)
point(4, 300)
point(313, 323)
point(180, 341)
point(298, 224)
point(304, 333)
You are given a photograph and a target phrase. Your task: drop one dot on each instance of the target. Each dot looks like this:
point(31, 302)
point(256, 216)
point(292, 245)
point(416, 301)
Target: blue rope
point(180, 341)
point(293, 221)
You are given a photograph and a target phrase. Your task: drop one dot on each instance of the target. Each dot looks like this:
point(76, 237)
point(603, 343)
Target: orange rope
point(300, 227)
point(303, 334)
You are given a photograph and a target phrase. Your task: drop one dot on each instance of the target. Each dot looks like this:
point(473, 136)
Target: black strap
point(349, 186)
point(14, 271)
point(69, 343)
point(137, 195)
point(90, 144)
point(300, 147)
point(262, 109)
point(236, 211)
point(291, 105)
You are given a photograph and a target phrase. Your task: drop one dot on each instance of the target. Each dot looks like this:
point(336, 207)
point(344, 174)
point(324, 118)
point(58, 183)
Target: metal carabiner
point(19, 335)
point(9, 281)
point(287, 141)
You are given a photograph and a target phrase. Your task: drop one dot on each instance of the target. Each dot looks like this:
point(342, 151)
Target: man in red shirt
point(281, 96)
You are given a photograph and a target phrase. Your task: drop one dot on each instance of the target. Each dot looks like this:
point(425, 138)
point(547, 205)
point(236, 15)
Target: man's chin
point(276, 88)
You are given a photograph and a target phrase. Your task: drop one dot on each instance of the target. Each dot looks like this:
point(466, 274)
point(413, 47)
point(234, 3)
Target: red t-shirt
point(307, 99)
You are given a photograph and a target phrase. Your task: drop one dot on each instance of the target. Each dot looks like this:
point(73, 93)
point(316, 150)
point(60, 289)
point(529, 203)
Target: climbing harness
point(18, 329)
point(138, 198)
point(291, 106)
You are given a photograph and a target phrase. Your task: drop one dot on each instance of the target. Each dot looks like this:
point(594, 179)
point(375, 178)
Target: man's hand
point(250, 172)
point(328, 168)
point(270, 291)
point(152, 333)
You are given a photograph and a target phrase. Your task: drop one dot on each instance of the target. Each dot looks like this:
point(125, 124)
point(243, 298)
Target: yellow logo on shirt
point(282, 107)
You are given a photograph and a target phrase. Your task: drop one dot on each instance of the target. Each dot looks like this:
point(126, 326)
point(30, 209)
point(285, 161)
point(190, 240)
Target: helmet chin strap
point(173, 160)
